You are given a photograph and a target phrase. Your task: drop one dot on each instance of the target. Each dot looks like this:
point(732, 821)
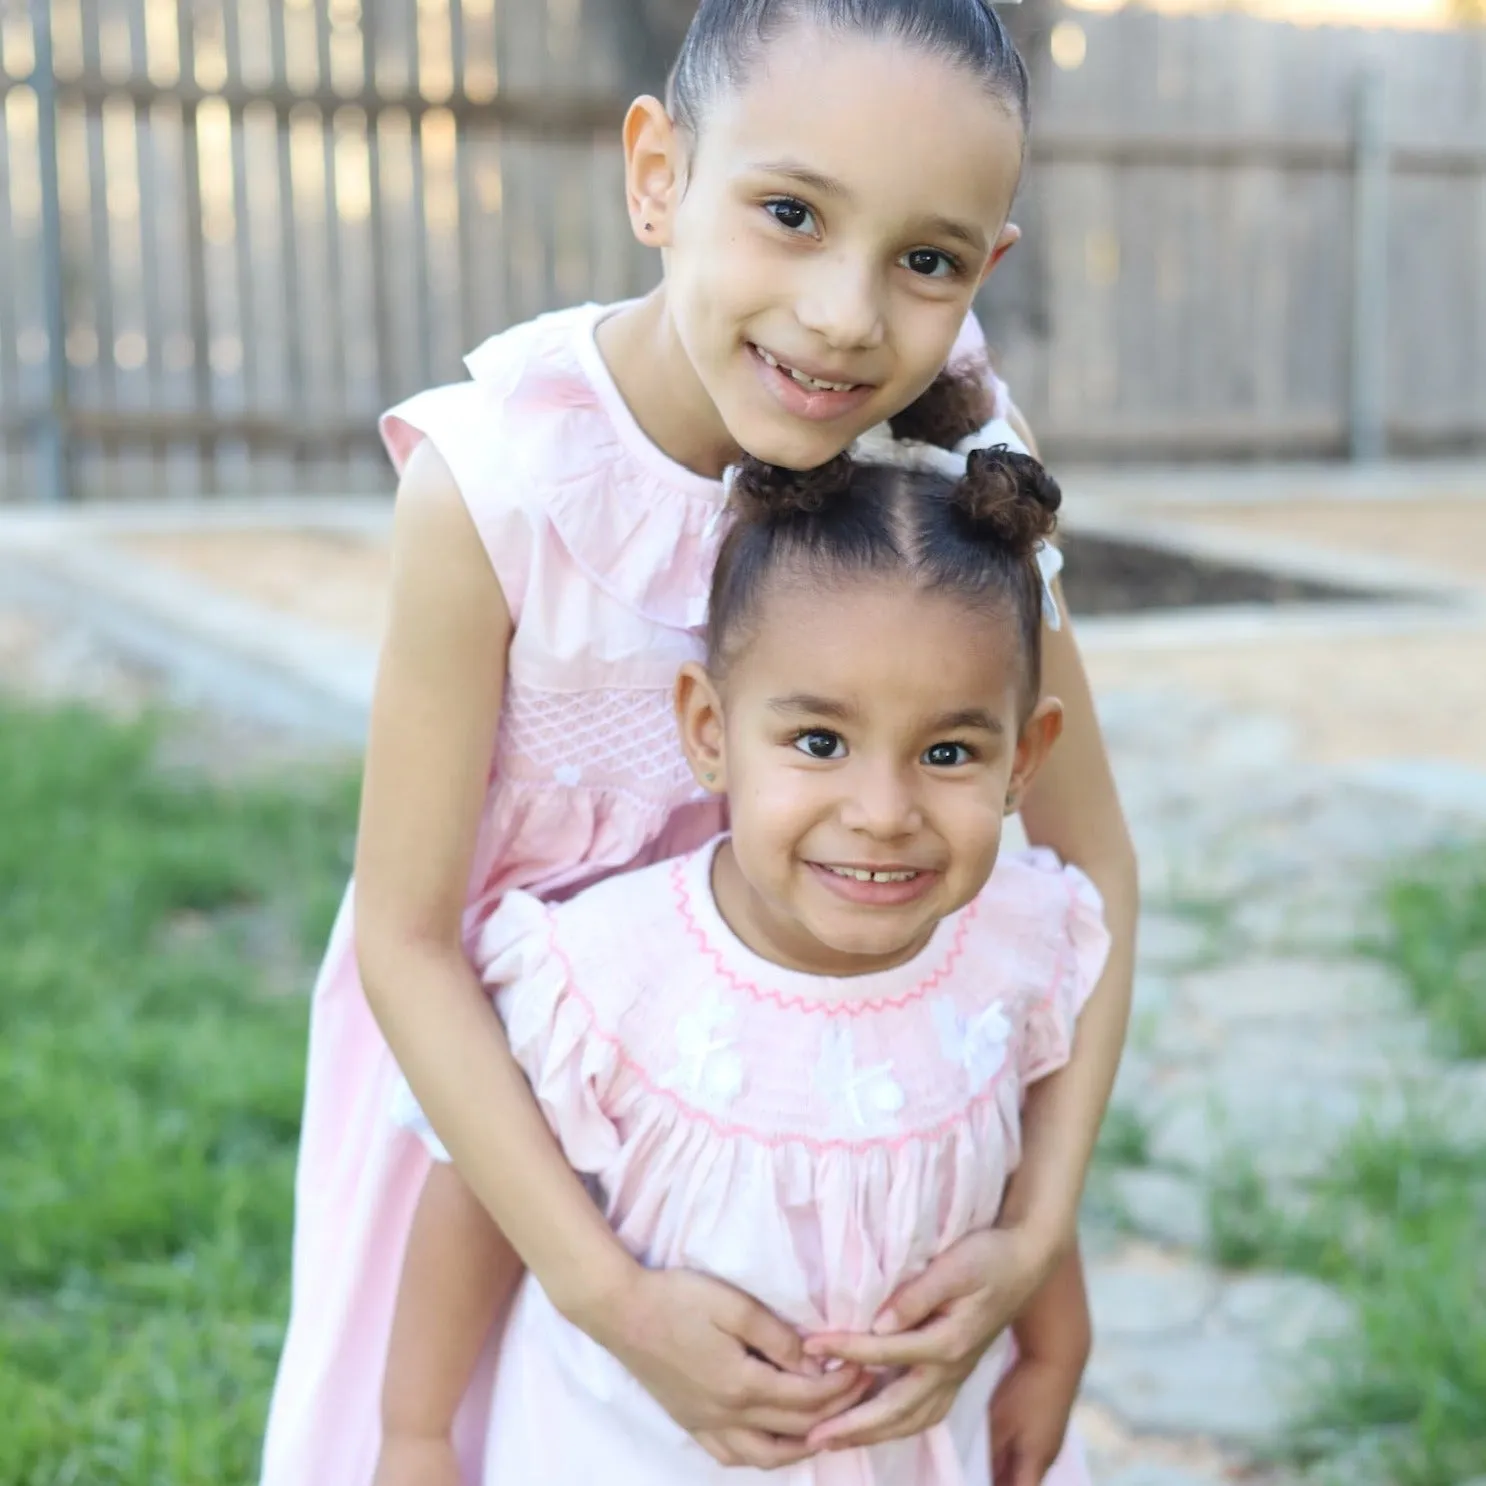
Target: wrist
point(599, 1300)
point(424, 1423)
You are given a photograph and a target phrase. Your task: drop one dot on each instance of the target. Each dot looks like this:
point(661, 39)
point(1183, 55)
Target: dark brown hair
point(977, 536)
point(727, 37)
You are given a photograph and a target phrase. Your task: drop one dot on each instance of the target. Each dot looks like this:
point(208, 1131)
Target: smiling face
point(824, 235)
point(868, 734)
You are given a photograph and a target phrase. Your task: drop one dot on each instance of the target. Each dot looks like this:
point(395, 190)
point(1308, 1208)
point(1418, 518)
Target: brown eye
point(820, 744)
point(947, 755)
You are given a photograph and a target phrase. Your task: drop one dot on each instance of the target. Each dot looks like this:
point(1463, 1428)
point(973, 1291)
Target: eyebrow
point(967, 717)
point(802, 703)
point(812, 179)
point(963, 232)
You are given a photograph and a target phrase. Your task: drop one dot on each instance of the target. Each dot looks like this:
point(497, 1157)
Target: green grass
point(150, 1082)
point(1397, 1224)
point(1124, 1139)
point(1435, 935)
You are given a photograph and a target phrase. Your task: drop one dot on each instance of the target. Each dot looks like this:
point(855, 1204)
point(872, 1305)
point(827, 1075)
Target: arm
point(694, 1343)
point(1034, 1401)
point(458, 1277)
point(1073, 808)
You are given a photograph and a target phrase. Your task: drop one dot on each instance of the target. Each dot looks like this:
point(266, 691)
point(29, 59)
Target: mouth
point(873, 874)
point(805, 379)
point(890, 885)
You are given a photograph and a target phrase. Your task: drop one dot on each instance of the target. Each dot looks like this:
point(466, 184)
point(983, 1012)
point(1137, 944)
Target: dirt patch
point(1349, 699)
point(1109, 577)
point(335, 580)
point(1443, 534)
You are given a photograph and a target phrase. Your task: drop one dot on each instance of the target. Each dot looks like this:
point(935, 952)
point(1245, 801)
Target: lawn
point(157, 937)
point(1397, 1222)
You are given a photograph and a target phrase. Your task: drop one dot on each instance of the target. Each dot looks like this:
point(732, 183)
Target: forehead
point(905, 133)
point(892, 651)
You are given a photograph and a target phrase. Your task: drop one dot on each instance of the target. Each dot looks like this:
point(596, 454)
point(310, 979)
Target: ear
point(1039, 733)
point(653, 165)
point(699, 721)
point(1010, 236)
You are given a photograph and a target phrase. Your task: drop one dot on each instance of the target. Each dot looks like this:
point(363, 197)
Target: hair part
point(727, 37)
point(976, 537)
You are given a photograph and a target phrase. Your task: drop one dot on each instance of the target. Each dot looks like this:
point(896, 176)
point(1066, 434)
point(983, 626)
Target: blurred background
point(1248, 323)
point(233, 230)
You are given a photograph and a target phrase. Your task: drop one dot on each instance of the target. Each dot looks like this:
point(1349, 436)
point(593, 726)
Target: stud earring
point(708, 778)
point(649, 228)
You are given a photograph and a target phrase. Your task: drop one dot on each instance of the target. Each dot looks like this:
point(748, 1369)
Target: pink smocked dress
point(814, 1142)
point(604, 548)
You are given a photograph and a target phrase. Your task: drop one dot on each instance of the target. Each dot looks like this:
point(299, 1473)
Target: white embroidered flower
point(710, 1068)
point(977, 1044)
point(872, 1096)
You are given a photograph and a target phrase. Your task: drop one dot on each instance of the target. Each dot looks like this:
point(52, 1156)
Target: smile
point(862, 874)
point(814, 384)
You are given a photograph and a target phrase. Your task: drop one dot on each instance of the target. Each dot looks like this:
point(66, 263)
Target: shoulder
point(521, 383)
point(500, 443)
point(1036, 901)
point(637, 914)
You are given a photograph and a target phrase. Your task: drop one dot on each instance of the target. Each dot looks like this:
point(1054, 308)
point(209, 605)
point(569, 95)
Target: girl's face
point(826, 233)
point(868, 735)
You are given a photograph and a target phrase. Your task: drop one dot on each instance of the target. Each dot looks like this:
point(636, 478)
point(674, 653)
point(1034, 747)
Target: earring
point(649, 228)
point(708, 778)
point(1011, 802)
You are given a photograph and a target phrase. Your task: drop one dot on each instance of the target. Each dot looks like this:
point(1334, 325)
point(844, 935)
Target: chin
point(789, 445)
point(871, 941)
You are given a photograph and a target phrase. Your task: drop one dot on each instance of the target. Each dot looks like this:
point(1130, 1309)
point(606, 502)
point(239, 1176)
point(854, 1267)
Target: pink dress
point(604, 548)
point(814, 1142)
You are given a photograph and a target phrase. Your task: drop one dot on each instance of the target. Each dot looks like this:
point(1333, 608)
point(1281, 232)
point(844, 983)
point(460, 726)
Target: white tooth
point(767, 359)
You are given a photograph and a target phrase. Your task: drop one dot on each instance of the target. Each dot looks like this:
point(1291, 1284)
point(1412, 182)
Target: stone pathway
point(1257, 1029)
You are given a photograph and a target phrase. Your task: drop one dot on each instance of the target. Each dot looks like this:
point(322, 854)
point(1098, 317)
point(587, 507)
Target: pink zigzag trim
point(862, 1007)
point(725, 1130)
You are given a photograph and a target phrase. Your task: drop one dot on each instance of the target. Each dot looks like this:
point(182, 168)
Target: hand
point(1029, 1418)
point(937, 1327)
point(417, 1460)
point(727, 1370)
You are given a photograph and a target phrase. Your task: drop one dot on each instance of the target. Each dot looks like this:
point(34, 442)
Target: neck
point(661, 388)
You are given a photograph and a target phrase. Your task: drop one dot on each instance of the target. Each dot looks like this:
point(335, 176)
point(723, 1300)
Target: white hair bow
point(878, 446)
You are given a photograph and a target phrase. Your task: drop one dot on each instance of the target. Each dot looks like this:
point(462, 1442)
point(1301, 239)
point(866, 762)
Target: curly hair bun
point(1009, 496)
point(769, 492)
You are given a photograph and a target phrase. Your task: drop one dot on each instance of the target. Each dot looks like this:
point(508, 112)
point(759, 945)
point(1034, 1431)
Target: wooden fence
point(1253, 240)
point(232, 230)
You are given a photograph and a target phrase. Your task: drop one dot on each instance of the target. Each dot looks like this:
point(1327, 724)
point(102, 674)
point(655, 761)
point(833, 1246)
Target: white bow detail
point(878, 446)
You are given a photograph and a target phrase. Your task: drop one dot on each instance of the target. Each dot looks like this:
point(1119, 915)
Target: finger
point(796, 1424)
point(949, 1277)
point(941, 1343)
point(768, 1388)
point(763, 1332)
point(715, 1447)
point(764, 1452)
point(887, 1416)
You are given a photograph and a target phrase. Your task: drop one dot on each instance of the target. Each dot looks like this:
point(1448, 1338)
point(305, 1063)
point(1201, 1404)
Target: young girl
point(829, 184)
point(795, 1058)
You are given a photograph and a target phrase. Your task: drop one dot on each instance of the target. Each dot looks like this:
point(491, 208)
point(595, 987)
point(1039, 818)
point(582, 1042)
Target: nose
point(841, 302)
point(881, 802)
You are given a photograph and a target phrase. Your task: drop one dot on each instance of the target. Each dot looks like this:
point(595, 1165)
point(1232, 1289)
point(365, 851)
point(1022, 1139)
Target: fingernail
point(885, 1324)
point(834, 1364)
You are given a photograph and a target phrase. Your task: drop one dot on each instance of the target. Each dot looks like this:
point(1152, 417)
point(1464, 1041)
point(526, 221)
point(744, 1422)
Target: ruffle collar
point(643, 528)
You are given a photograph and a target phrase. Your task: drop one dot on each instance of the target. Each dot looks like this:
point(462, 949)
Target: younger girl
point(795, 1058)
point(829, 181)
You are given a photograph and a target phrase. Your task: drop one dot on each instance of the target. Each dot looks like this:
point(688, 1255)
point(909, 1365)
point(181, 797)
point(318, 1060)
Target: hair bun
point(769, 492)
point(1010, 496)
